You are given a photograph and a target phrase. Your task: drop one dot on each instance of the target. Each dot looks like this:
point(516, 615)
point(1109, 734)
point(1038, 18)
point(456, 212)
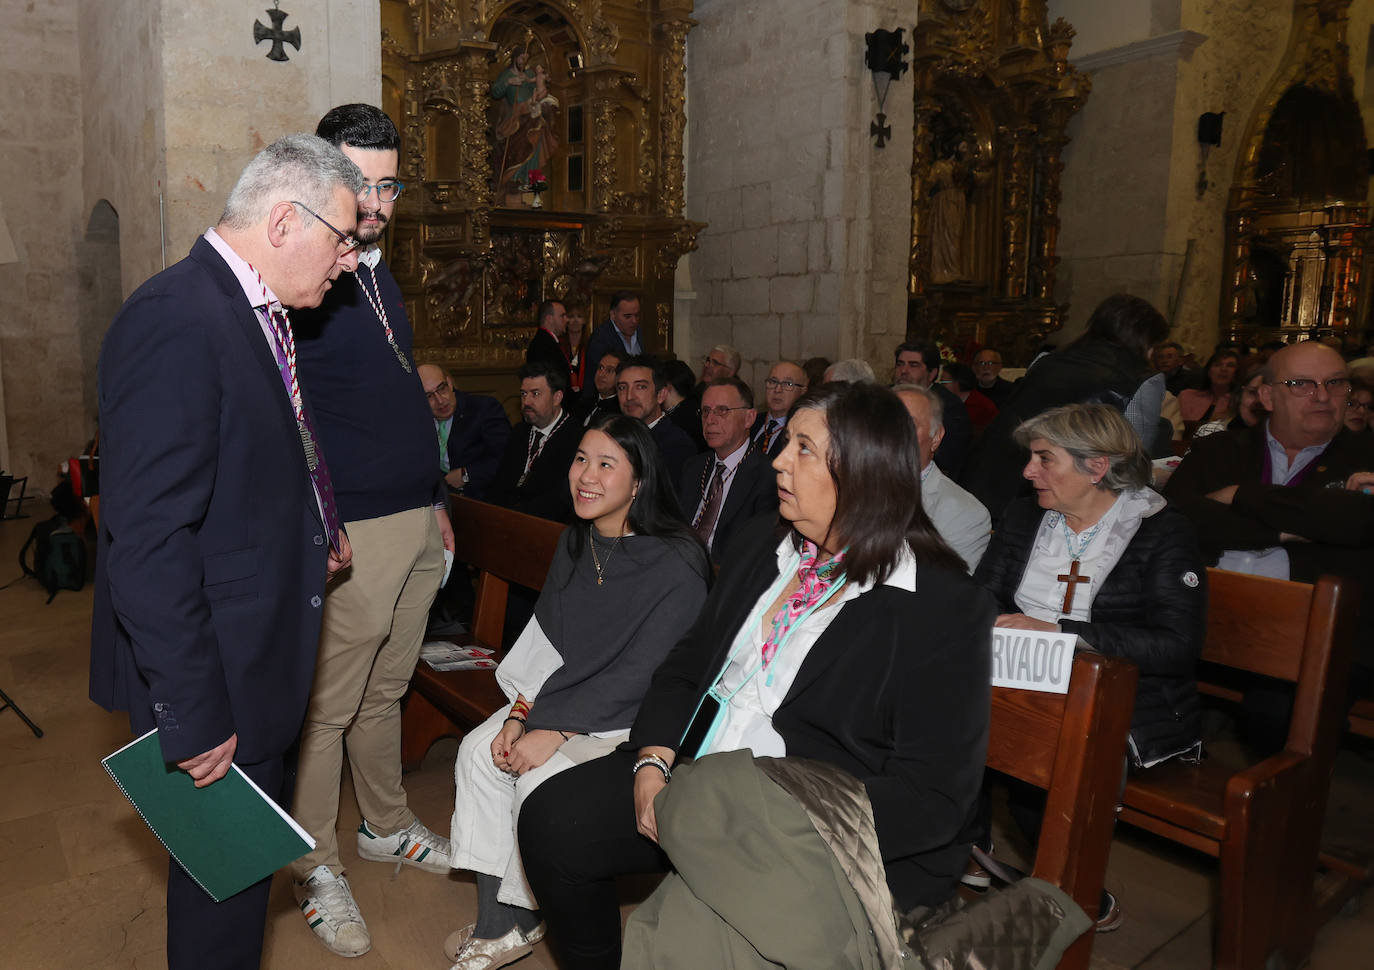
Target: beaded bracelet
point(657, 762)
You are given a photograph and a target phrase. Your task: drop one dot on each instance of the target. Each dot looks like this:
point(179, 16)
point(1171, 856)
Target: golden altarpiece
point(1299, 245)
point(994, 93)
point(541, 147)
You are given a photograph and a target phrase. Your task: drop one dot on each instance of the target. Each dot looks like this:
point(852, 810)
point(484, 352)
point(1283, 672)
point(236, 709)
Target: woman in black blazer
point(846, 633)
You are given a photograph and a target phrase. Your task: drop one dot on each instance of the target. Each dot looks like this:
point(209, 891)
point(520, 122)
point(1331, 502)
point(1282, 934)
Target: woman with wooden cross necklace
point(1100, 554)
point(625, 572)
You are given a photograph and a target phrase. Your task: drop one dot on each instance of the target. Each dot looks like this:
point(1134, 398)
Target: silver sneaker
point(477, 954)
point(328, 906)
point(453, 945)
point(412, 846)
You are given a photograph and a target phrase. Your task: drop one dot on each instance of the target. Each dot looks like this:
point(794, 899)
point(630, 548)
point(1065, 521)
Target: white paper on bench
point(1032, 659)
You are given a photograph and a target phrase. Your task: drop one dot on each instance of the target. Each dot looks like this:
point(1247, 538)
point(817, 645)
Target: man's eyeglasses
point(712, 360)
point(1305, 386)
point(441, 391)
point(776, 382)
point(346, 242)
point(388, 190)
point(721, 411)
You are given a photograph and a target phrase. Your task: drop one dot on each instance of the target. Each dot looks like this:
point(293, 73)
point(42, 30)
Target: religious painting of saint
point(527, 114)
point(950, 178)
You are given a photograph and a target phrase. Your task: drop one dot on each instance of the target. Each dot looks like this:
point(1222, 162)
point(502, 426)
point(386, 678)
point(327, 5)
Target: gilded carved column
point(473, 67)
point(1019, 142)
point(918, 271)
point(603, 138)
point(673, 115)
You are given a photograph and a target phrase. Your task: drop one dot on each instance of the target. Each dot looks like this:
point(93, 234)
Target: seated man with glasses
point(786, 381)
point(1273, 500)
point(472, 431)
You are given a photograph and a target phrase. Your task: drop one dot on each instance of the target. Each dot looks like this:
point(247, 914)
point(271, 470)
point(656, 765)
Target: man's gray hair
point(297, 168)
point(732, 357)
point(852, 370)
point(937, 406)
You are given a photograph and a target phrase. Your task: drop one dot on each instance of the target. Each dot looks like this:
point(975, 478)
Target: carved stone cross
point(277, 35)
point(881, 129)
point(1071, 579)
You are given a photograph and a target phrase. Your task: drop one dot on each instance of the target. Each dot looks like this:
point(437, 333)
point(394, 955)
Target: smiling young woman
point(627, 575)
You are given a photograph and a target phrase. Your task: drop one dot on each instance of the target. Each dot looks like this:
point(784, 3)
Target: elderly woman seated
point(1099, 554)
point(843, 643)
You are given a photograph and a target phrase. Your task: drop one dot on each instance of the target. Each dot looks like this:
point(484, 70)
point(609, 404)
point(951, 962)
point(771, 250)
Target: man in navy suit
point(619, 332)
point(732, 482)
point(642, 386)
point(472, 430)
point(218, 525)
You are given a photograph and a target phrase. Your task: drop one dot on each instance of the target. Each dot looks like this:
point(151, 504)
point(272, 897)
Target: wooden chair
point(1073, 745)
point(1264, 821)
point(505, 547)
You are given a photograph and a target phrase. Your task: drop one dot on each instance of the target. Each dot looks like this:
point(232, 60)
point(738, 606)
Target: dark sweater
point(374, 425)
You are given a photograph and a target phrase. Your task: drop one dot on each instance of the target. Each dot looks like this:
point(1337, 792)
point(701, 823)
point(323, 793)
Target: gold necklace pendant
point(596, 560)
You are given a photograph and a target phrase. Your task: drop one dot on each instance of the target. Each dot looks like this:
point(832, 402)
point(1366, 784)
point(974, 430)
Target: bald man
point(472, 431)
point(785, 383)
point(961, 519)
point(1273, 500)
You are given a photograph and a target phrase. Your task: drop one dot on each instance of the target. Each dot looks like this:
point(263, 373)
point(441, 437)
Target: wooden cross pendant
point(1071, 579)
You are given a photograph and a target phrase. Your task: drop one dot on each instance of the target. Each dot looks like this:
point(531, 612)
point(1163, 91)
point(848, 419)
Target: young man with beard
point(533, 474)
point(357, 370)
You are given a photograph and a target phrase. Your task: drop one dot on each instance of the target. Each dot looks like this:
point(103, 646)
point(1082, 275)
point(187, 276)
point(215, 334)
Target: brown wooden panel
point(1256, 624)
point(516, 547)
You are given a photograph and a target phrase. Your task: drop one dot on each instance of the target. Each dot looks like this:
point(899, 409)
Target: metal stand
point(7, 484)
point(10, 705)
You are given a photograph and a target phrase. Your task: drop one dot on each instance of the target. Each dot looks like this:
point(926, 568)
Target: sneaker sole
point(338, 951)
point(976, 882)
point(366, 852)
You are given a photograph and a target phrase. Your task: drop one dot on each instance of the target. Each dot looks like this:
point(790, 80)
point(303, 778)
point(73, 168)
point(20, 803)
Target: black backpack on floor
point(59, 560)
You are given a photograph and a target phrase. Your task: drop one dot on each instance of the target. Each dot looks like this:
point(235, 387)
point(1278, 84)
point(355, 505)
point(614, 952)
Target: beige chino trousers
point(374, 622)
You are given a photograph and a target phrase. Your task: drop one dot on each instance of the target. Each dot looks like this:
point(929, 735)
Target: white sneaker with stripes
point(413, 846)
point(327, 904)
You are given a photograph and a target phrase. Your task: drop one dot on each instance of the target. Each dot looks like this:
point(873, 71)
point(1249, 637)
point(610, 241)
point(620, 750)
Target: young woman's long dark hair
point(654, 509)
point(875, 464)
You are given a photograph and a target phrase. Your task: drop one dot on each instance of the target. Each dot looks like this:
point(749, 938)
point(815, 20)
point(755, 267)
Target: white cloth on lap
point(487, 804)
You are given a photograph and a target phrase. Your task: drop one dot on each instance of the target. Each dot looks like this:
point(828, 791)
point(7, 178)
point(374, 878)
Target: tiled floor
point(81, 880)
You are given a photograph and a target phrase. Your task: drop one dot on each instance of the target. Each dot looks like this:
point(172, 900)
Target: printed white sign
point(1032, 659)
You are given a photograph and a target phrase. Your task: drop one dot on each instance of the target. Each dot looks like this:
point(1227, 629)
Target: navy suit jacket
point(210, 579)
point(673, 445)
point(604, 338)
point(477, 439)
point(753, 491)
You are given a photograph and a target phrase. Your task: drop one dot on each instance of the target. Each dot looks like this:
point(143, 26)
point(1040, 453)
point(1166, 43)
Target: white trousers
point(487, 803)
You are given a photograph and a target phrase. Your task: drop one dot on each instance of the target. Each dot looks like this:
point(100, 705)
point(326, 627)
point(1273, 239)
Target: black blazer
point(210, 578)
point(673, 445)
point(753, 491)
point(895, 692)
point(477, 439)
point(544, 346)
point(545, 491)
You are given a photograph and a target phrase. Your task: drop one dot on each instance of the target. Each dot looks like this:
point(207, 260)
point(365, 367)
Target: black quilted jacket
point(1151, 610)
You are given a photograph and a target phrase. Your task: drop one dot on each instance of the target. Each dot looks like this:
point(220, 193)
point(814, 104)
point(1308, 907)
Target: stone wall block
point(754, 252)
point(816, 253)
point(792, 248)
point(745, 296)
point(790, 294)
point(757, 336)
point(755, 207)
point(833, 193)
point(794, 199)
point(827, 293)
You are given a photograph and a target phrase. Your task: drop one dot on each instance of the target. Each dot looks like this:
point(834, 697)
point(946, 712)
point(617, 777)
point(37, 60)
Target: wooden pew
point(1074, 746)
point(505, 547)
point(1264, 821)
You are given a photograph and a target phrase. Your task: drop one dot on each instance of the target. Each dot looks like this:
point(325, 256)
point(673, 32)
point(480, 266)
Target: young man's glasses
point(388, 190)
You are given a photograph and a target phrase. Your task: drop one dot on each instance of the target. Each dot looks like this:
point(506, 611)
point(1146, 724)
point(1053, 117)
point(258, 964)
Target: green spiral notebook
point(226, 836)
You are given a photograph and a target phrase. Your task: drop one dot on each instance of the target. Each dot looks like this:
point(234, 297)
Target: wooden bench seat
point(1263, 821)
point(1071, 745)
point(505, 547)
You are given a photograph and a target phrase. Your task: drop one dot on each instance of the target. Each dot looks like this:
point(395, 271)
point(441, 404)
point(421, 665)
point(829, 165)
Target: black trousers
point(577, 833)
point(201, 933)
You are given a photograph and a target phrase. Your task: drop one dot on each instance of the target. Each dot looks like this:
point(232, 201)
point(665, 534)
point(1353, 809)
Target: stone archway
point(99, 295)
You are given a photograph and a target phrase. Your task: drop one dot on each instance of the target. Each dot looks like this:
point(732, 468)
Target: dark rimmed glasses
point(346, 242)
point(721, 411)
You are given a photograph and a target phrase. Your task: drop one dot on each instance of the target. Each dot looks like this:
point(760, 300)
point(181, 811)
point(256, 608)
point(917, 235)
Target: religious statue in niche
point(951, 179)
point(525, 123)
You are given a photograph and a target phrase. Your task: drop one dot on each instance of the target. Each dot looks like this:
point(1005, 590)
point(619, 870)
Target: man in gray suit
point(961, 519)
